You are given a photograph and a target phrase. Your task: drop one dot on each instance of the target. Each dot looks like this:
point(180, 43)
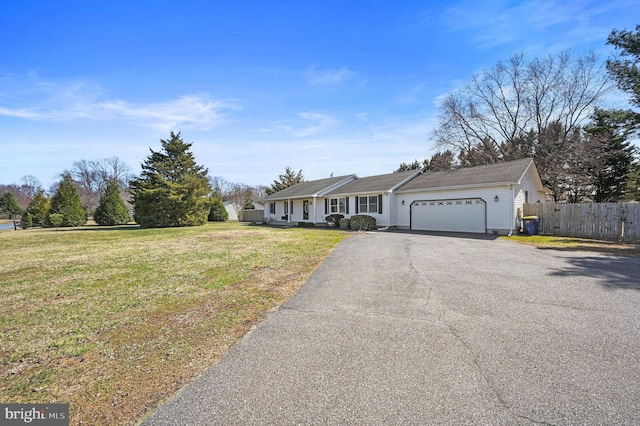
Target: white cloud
point(192, 111)
point(413, 95)
point(502, 22)
point(308, 124)
point(33, 98)
point(329, 77)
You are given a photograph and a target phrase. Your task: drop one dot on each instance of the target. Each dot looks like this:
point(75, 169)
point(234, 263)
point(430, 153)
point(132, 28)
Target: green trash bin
point(530, 225)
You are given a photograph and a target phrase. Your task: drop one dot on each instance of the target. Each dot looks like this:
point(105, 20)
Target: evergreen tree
point(289, 178)
point(27, 221)
point(218, 213)
point(66, 202)
point(111, 209)
point(633, 183)
point(9, 205)
point(416, 165)
point(172, 189)
point(38, 208)
point(624, 69)
point(612, 129)
point(442, 161)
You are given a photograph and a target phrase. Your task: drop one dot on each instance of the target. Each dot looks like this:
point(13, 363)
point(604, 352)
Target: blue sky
point(324, 86)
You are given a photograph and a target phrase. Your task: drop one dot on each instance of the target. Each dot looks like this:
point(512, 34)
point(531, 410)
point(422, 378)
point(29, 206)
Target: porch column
point(315, 202)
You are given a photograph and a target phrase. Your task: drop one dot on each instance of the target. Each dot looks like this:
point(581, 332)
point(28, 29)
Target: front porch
point(294, 224)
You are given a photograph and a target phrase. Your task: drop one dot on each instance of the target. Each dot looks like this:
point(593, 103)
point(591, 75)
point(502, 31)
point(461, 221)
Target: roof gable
point(378, 183)
point(510, 172)
point(312, 188)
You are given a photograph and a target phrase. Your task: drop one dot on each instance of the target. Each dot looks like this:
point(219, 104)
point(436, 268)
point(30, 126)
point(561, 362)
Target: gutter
point(447, 188)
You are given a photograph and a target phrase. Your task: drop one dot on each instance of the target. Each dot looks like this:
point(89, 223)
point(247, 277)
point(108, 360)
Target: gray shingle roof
point(502, 173)
point(308, 189)
point(377, 183)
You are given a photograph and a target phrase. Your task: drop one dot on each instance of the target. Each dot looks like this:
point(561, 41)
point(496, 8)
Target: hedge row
point(359, 222)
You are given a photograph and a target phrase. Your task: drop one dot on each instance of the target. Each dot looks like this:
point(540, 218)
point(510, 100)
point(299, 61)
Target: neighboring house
point(233, 210)
point(484, 199)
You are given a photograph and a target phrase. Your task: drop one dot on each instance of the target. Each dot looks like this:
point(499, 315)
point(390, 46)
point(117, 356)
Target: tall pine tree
point(66, 202)
point(111, 209)
point(612, 130)
point(39, 208)
point(289, 178)
point(624, 69)
point(9, 205)
point(172, 189)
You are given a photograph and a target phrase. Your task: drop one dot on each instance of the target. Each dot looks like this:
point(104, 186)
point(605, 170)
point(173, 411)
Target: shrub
point(334, 219)
point(55, 220)
point(39, 208)
point(66, 202)
point(27, 221)
point(344, 223)
point(363, 222)
point(218, 213)
point(111, 210)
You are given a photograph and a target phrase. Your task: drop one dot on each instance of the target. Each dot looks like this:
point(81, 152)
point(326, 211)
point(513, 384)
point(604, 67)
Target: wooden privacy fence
point(251, 215)
point(588, 220)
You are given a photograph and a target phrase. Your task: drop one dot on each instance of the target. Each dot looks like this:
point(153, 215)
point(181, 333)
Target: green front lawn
point(115, 320)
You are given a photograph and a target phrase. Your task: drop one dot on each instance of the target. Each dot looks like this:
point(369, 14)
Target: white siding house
point(484, 199)
point(303, 202)
point(464, 199)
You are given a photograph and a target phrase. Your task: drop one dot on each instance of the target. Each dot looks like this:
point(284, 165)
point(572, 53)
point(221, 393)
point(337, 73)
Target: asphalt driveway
point(399, 328)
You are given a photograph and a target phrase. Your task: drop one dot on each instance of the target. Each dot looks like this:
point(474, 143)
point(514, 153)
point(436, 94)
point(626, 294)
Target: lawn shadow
point(94, 228)
point(613, 272)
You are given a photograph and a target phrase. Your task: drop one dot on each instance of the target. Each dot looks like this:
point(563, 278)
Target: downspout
point(513, 210)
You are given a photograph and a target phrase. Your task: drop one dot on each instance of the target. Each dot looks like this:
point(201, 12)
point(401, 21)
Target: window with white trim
point(368, 204)
point(337, 205)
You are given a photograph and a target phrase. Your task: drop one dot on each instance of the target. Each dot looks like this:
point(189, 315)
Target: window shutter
point(379, 204)
point(291, 207)
point(357, 201)
point(326, 206)
point(347, 203)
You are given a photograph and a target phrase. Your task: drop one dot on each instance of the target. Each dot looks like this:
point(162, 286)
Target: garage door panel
point(453, 215)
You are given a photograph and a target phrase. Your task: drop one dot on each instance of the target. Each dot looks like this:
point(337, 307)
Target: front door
point(305, 210)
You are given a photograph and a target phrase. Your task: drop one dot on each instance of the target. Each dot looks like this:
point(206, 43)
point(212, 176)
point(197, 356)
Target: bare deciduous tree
point(504, 103)
point(91, 179)
point(239, 196)
point(221, 186)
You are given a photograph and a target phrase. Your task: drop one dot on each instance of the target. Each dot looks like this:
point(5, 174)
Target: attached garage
point(453, 215)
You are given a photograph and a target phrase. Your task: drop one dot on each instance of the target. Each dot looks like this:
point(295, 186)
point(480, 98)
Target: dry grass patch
point(113, 321)
point(615, 248)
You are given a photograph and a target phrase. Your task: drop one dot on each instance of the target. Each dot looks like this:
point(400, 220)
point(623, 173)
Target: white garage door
point(462, 215)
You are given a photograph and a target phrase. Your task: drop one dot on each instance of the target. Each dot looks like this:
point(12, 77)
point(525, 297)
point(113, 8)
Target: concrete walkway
point(405, 329)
